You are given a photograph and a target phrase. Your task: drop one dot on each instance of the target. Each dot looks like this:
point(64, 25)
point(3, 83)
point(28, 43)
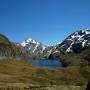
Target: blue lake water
point(46, 63)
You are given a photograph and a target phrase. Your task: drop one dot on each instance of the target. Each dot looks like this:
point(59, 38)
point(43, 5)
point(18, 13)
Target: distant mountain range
point(74, 43)
point(33, 46)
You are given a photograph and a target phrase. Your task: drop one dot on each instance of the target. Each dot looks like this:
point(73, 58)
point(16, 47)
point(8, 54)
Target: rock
point(88, 86)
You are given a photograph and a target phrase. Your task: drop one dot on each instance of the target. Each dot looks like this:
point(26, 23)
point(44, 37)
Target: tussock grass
point(14, 72)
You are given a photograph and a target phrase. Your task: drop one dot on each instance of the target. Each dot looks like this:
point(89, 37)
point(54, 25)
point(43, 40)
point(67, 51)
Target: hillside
point(9, 49)
point(6, 49)
point(76, 42)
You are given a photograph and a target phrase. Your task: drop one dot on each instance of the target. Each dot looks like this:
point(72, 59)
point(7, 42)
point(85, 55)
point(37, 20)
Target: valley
point(73, 54)
point(19, 74)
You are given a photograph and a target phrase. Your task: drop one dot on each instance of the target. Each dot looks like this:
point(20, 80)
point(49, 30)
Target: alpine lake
point(46, 63)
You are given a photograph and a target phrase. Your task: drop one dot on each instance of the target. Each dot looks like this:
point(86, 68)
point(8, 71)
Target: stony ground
point(23, 86)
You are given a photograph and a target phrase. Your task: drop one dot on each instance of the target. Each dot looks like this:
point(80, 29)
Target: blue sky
point(47, 21)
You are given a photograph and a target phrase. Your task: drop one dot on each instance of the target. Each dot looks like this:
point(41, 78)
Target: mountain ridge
point(79, 38)
point(74, 43)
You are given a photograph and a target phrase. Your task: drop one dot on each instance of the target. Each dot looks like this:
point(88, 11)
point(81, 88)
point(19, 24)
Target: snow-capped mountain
point(33, 46)
point(73, 43)
point(76, 41)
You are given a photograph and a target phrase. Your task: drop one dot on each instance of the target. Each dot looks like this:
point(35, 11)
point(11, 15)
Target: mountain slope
point(6, 49)
point(10, 49)
point(76, 42)
point(33, 46)
point(37, 50)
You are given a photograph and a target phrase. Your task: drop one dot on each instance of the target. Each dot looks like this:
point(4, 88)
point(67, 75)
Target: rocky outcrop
point(76, 42)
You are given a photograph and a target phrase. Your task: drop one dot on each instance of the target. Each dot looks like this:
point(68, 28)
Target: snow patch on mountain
point(79, 37)
point(33, 46)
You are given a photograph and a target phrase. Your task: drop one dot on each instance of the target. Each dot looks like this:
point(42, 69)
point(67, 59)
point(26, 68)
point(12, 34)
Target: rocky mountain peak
point(78, 39)
point(29, 41)
point(33, 46)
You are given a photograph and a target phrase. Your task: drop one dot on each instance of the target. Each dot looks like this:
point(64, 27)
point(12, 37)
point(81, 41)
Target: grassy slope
point(13, 72)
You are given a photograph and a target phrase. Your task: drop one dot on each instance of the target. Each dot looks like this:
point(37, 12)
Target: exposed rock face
point(35, 48)
point(76, 41)
point(32, 46)
point(18, 50)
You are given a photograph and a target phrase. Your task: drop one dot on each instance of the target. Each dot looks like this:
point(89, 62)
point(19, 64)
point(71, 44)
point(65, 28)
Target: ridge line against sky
point(46, 21)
